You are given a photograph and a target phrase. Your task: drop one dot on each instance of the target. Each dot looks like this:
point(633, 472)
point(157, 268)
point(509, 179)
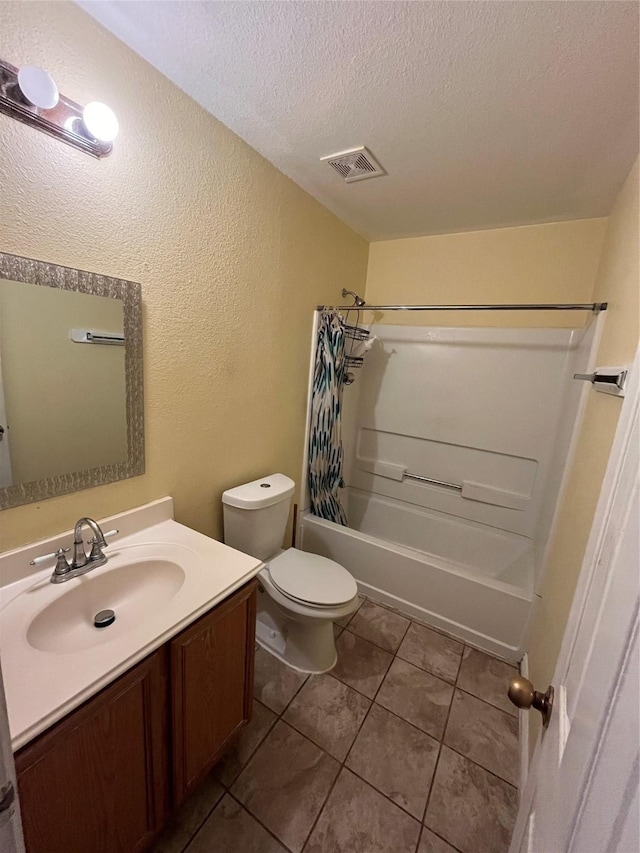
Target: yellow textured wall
point(555, 262)
point(232, 257)
point(618, 283)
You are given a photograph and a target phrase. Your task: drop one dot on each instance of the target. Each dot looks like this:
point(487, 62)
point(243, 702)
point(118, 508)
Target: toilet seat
point(312, 579)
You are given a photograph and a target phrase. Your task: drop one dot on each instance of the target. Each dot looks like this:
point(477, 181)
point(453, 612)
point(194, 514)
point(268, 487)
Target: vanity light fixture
point(38, 87)
point(100, 122)
point(30, 95)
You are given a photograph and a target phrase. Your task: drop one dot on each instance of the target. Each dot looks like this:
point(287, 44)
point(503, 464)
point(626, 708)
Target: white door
point(11, 840)
point(581, 795)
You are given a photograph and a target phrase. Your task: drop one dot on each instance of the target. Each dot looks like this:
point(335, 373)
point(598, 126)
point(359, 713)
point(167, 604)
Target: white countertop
point(43, 686)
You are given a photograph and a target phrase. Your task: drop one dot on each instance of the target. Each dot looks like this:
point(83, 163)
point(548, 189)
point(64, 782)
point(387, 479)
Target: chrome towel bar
point(421, 479)
point(87, 336)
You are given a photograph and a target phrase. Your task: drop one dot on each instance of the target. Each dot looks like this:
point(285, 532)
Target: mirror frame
point(17, 268)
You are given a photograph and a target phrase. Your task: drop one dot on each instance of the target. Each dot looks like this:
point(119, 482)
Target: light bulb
point(38, 87)
point(100, 122)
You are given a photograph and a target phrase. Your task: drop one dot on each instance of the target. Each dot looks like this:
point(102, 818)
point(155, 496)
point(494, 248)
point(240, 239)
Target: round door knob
point(523, 695)
point(521, 692)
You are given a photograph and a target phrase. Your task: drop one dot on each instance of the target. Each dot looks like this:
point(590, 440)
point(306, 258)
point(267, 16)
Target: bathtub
point(468, 579)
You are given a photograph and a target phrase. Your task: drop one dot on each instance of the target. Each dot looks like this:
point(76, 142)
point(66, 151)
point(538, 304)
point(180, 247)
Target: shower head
point(358, 301)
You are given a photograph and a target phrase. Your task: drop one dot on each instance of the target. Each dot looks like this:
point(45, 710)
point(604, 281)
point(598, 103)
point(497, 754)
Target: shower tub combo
point(470, 406)
point(471, 581)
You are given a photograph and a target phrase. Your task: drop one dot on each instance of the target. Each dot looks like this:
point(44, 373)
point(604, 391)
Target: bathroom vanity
point(107, 775)
point(112, 731)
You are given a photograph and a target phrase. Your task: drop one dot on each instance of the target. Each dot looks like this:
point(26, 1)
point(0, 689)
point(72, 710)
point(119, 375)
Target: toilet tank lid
point(260, 493)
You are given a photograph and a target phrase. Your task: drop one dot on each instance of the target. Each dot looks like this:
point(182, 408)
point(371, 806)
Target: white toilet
point(300, 594)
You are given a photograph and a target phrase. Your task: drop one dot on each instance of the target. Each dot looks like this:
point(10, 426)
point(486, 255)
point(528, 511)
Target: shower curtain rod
point(595, 307)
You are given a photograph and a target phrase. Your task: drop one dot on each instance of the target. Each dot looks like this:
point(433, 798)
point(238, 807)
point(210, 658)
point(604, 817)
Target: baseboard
point(524, 730)
point(434, 620)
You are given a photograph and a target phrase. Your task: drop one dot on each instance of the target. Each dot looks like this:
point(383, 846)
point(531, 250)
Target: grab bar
point(421, 479)
point(468, 489)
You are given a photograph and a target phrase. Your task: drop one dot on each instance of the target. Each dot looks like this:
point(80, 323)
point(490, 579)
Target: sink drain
point(104, 618)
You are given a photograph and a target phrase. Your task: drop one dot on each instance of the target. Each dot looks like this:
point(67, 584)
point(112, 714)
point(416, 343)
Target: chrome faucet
point(81, 562)
point(80, 557)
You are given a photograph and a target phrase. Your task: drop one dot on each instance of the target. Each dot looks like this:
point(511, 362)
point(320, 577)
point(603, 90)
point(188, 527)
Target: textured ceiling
point(484, 114)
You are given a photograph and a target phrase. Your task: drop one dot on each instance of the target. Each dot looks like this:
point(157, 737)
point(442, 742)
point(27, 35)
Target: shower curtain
point(325, 437)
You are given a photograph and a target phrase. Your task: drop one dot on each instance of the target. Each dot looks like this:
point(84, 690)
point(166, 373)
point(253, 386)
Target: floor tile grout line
point(408, 722)
point(298, 689)
point(417, 728)
point(206, 818)
point(424, 624)
point(424, 669)
point(443, 633)
point(252, 753)
point(257, 820)
point(486, 701)
point(441, 739)
point(340, 761)
point(343, 762)
point(346, 758)
point(481, 766)
point(428, 671)
point(440, 631)
point(340, 769)
point(441, 837)
point(372, 700)
point(344, 765)
point(373, 642)
point(364, 719)
point(441, 744)
point(382, 794)
point(183, 848)
point(383, 679)
point(367, 640)
point(322, 808)
point(433, 779)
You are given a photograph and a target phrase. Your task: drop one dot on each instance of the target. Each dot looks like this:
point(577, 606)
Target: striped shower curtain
point(325, 437)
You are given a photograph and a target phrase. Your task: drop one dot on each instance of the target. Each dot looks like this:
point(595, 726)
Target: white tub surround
point(489, 415)
point(47, 674)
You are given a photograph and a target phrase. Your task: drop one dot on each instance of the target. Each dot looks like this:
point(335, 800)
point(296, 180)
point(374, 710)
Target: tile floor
point(408, 746)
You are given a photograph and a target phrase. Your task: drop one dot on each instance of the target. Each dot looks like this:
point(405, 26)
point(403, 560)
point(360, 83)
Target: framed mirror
point(71, 389)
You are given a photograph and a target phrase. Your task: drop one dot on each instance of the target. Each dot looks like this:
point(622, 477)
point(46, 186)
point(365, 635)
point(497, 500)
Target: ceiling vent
point(358, 164)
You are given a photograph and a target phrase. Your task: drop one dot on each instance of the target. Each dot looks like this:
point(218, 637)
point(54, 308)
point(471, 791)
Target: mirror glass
point(70, 380)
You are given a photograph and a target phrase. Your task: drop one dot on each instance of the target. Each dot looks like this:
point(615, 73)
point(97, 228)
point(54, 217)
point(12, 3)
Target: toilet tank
point(255, 515)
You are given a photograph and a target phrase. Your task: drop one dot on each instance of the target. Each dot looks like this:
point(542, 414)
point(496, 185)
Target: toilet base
point(305, 644)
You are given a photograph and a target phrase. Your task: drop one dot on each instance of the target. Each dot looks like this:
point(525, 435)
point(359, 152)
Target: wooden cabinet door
point(97, 781)
point(212, 685)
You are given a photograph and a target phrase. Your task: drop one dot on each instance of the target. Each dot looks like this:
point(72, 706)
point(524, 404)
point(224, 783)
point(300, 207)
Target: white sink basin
point(131, 591)
point(160, 577)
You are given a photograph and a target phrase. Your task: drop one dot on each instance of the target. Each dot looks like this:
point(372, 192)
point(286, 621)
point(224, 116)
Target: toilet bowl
point(300, 595)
